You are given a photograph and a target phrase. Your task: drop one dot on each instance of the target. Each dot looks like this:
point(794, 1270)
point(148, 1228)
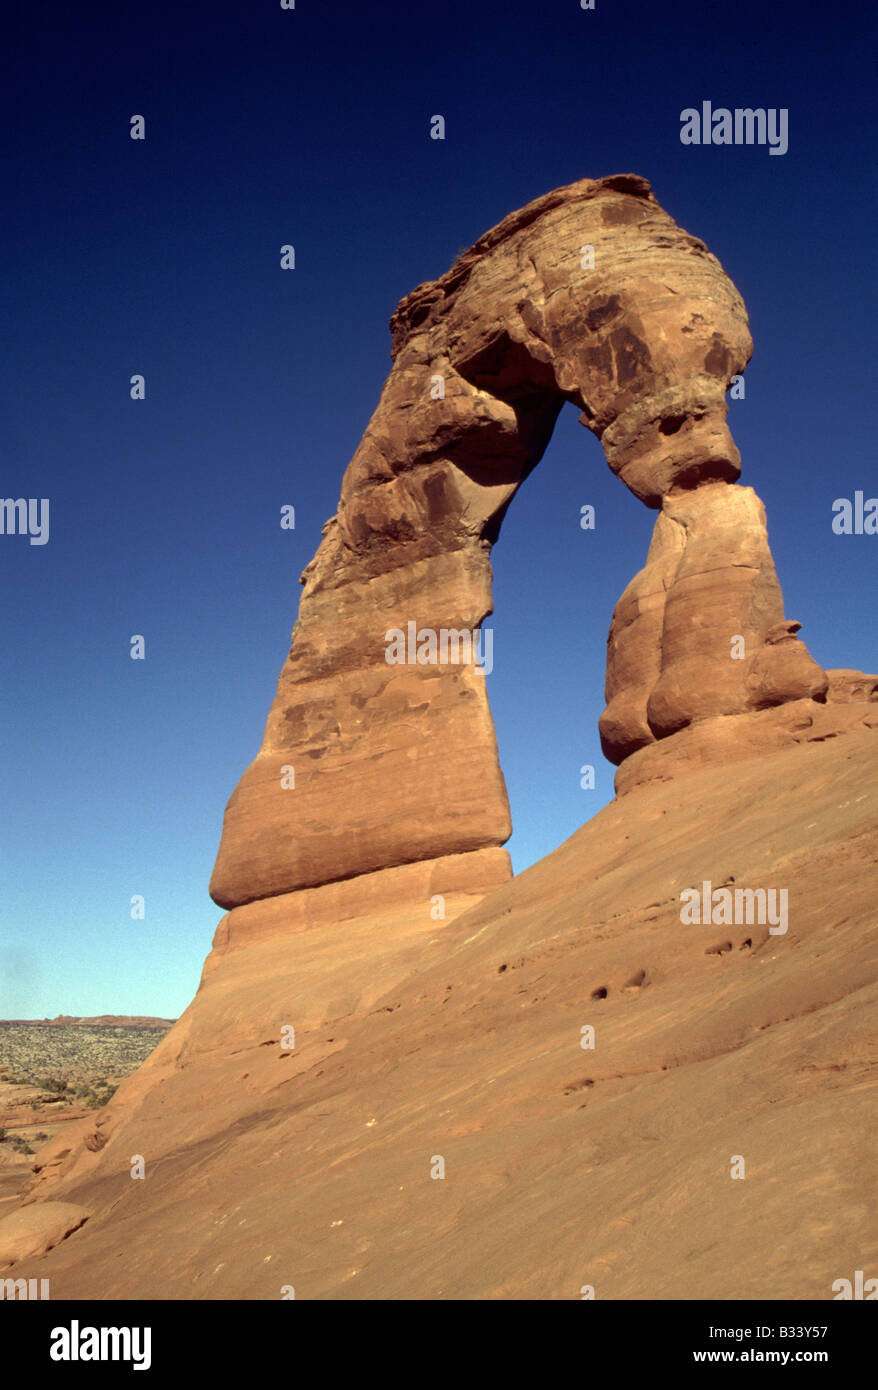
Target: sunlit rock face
point(379, 993)
point(376, 757)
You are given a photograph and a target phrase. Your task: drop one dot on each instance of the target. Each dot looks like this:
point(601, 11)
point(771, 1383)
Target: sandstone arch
point(398, 798)
point(397, 766)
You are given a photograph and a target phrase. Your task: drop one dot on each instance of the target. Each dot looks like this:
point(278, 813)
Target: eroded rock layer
point(591, 294)
point(700, 631)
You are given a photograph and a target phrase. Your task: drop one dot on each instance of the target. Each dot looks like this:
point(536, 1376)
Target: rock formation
point(268, 1167)
point(593, 295)
point(377, 792)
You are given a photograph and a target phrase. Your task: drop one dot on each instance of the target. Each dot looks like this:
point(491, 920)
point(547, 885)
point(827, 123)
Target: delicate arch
point(590, 294)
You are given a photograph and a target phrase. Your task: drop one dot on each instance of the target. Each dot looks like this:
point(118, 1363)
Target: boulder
point(32, 1230)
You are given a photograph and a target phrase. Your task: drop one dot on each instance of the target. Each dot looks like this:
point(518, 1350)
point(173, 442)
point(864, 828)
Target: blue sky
point(311, 126)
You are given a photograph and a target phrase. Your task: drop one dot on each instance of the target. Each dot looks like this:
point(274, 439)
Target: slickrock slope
point(436, 1008)
point(563, 1167)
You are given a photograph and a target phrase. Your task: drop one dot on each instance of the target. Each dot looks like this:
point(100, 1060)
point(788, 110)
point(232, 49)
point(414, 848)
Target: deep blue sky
point(311, 126)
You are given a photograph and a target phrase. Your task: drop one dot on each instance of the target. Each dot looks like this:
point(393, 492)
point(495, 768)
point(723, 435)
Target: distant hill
point(102, 1020)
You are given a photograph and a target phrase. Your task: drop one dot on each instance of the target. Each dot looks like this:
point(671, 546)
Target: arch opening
point(555, 584)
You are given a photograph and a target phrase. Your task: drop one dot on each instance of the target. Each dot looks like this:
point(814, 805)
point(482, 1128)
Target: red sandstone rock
point(846, 686)
point(32, 1230)
point(610, 1166)
point(590, 294)
point(726, 739)
point(700, 631)
point(438, 1007)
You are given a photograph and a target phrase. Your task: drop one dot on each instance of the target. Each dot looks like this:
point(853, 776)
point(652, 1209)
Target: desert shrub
point(56, 1084)
point(98, 1095)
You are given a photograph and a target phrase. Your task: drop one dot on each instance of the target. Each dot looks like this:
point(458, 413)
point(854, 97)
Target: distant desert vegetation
point(57, 1070)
